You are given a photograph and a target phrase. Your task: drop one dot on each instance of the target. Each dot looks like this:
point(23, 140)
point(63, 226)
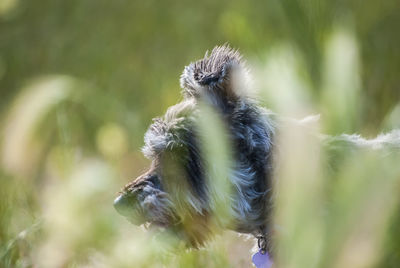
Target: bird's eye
point(155, 181)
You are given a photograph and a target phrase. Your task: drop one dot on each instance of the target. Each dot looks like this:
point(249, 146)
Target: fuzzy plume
point(215, 75)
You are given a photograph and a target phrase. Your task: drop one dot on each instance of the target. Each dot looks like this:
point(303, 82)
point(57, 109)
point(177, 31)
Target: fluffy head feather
point(218, 75)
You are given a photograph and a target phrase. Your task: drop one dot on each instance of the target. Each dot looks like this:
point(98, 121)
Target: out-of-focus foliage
point(80, 81)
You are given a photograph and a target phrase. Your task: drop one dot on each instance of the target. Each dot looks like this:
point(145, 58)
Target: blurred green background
point(81, 80)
